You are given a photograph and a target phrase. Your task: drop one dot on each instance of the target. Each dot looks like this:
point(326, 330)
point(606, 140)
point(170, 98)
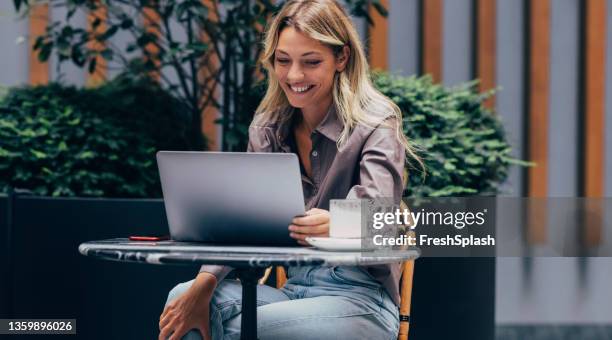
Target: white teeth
point(300, 89)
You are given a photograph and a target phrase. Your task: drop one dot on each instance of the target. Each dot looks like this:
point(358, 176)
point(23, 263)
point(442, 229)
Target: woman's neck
point(313, 116)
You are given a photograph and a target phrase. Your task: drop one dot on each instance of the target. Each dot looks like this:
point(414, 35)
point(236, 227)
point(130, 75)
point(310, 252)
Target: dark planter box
point(453, 298)
point(49, 278)
point(4, 253)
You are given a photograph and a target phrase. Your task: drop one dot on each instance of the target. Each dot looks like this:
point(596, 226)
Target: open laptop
point(231, 197)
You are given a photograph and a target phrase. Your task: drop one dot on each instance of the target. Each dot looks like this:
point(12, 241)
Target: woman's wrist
point(205, 283)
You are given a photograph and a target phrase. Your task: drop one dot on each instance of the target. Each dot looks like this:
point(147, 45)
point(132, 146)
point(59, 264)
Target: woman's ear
point(343, 58)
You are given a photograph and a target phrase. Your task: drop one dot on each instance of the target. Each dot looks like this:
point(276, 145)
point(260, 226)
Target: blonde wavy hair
point(356, 99)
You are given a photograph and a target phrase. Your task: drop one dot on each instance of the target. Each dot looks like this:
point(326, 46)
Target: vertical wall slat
point(39, 18)
point(539, 92)
point(99, 75)
point(538, 101)
point(509, 73)
point(404, 32)
point(486, 15)
point(594, 21)
point(565, 99)
point(432, 38)
point(210, 113)
point(458, 42)
point(594, 92)
point(608, 108)
point(378, 39)
point(151, 22)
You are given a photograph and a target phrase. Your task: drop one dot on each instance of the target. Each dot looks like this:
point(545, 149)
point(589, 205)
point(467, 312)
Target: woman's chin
point(297, 103)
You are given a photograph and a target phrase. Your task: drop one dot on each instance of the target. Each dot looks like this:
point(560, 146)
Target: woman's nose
point(295, 73)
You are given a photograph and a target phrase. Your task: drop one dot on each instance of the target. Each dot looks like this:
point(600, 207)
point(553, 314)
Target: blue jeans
point(343, 302)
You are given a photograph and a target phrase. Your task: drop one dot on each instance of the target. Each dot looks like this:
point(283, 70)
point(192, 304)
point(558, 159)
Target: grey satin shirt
point(369, 165)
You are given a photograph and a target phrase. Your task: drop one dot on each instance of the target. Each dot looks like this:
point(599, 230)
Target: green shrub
point(463, 145)
point(63, 141)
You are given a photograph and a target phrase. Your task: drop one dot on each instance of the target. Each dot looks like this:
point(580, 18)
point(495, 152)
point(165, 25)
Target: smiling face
point(305, 69)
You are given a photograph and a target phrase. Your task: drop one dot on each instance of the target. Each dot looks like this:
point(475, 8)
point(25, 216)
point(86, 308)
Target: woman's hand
point(315, 223)
point(189, 311)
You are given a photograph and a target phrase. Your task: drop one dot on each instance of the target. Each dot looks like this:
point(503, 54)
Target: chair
point(405, 298)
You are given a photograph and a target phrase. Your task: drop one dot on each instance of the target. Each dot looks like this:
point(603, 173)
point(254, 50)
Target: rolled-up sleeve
point(220, 272)
point(259, 139)
point(381, 166)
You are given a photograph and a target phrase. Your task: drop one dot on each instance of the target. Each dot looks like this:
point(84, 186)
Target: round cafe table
point(249, 262)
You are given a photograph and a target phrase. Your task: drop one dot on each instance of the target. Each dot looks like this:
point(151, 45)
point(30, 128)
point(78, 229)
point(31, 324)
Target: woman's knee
point(224, 289)
point(178, 290)
point(192, 335)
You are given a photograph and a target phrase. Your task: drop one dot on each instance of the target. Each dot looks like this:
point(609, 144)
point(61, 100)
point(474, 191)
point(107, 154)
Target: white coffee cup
point(345, 218)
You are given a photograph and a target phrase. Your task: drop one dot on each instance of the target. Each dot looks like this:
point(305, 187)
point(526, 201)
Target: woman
point(321, 105)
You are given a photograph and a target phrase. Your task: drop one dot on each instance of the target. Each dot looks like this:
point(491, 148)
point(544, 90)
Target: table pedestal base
point(248, 323)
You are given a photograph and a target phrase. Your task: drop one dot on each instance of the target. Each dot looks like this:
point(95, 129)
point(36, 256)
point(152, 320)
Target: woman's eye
point(313, 62)
point(282, 61)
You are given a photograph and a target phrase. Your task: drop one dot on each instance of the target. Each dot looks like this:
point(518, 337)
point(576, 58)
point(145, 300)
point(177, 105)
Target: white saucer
point(335, 244)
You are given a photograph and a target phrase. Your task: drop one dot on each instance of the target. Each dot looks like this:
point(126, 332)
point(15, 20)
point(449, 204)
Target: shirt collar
point(330, 126)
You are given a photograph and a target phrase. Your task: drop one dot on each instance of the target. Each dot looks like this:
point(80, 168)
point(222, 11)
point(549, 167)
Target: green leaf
point(127, 23)
point(38, 154)
point(67, 31)
point(77, 57)
point(108, 33)
point(86, 155)
point(131, 47)
point(44, 52)
point(7, 154)
point(92, 65)
point(107, 54)
point(380, 8)
point(473, 160)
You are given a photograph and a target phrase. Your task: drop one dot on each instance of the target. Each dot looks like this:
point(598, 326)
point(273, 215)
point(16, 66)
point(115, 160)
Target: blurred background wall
point(550, 59)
